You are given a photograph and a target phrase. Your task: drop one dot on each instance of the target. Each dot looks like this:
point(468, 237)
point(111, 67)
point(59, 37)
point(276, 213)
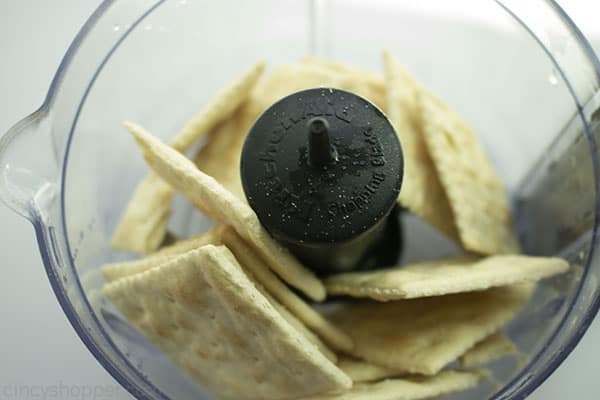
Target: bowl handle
point(27, 164)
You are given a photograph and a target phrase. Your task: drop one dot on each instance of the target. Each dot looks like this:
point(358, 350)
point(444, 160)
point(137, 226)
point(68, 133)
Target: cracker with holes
point(222, 206)
point(243, 338)
point(446, 276)
point(424, 335)
point(422, 192)
point(477, 196)
point(143, 226)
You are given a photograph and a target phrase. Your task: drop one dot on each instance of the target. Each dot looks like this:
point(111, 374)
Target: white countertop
point(39, 351)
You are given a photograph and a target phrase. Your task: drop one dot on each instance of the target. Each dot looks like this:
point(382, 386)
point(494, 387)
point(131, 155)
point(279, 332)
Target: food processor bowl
point(520, 72)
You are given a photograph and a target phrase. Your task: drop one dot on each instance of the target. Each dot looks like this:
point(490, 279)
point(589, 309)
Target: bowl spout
point(27, 163)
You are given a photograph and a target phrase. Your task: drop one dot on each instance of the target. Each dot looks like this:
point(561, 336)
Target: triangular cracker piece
point(222, 206)
point(363, 371)
point(440, 277)
point(117, 270)
point(424, 335)
point(205, 314)
point(477, 196)
point(251, 262)
point(144, 223)
point(489, 349)
point(409, 388)
point(422, 192)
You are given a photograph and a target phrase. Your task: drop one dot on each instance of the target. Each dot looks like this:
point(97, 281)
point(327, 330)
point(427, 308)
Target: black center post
point(322, 169)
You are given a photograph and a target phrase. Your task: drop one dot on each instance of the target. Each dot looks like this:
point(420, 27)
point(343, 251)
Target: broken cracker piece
point(409, 388)
point(477, 196)
point(250, 261)
point(489, 349)
point(221, 205)
point(204, 313)
point(440, 277)
point(422, 192)
point(424, 335)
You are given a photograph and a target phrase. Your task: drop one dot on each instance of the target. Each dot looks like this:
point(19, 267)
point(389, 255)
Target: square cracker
point(363, 371)
point(221, 205)
point(424, 335)
point(143, 225)
point(204, 313)
point(440, 277)
point(409, 388)
point(477, 196)
point(489, 349)
point(253, 263)
point(114, 271)
point(422, 192)
point(117, 270)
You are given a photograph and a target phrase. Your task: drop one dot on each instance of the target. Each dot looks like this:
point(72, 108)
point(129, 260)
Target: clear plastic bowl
point(520, 72)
